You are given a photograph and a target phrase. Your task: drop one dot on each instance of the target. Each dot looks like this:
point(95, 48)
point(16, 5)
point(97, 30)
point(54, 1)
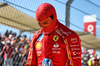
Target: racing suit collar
point(51, 27)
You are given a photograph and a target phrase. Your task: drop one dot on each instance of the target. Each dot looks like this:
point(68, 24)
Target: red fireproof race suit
point(55, 45)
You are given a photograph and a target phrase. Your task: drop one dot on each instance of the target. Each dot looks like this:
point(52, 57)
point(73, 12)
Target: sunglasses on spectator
point(96, 60)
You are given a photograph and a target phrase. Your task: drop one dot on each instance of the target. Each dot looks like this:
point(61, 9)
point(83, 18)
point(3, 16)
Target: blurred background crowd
point(13, 49)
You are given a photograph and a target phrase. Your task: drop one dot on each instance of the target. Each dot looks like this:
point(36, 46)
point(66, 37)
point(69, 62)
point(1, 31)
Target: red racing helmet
point(44, 11)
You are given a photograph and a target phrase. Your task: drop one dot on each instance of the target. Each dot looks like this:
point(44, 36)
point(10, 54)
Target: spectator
point(8, 54)
point(1, 53)
point(93, 61)
point(6, 33)
point(25, 54)
point(16, 56)
point(10, 37)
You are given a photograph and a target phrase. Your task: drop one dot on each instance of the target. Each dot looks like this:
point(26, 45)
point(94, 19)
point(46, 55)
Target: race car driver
point(54, 44)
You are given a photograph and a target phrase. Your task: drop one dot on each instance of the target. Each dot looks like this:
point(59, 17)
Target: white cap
point(10, 35)
point(8, 41)
point(3, 42)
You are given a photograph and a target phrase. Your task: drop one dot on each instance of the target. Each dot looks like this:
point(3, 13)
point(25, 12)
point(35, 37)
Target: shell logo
point(38, 45)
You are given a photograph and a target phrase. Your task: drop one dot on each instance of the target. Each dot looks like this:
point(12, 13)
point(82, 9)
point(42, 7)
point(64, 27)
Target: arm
point(32, 57)
point(74, 44)
point(32, 60)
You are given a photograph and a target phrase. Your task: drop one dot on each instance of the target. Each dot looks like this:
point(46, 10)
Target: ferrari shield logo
point(55, 38)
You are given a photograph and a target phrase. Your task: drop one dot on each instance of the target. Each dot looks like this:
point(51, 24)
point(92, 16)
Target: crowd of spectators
point(13, 49)
point(90, 59)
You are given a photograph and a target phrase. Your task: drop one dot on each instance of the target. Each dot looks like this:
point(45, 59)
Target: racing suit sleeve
point(74, 46)
point(32, 59)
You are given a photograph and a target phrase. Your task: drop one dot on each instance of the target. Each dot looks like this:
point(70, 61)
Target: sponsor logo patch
point(55, 38)
point(38, 46)
point(74, 45)
point(56, 52)
point(74, 40)
point(56, 48)
point(74, 53)
point(76, 57)
point(39, 53)
point(40, 38)
point(56, 45)
point(75, 49)
point(47, 62)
